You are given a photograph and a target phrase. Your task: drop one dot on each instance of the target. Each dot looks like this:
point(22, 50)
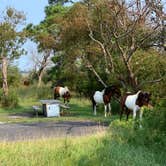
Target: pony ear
point(140, 95)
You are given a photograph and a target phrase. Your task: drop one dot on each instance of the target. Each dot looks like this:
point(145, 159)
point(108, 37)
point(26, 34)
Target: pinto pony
point(62, 92)
point(104, 97)
point(134, 102)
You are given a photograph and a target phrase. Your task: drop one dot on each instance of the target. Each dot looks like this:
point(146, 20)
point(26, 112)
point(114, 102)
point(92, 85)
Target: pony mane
point(109, 89)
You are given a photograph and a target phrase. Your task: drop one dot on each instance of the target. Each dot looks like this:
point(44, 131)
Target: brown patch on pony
point(139, 100)
point(56, 92)
point(123, 107)
point(66, 96)
point(26, 82)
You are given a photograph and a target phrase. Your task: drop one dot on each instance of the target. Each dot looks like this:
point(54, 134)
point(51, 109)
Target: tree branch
point(150, 82)
point(95, 73)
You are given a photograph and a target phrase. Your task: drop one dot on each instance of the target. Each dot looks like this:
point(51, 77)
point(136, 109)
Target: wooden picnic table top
point(50, 101)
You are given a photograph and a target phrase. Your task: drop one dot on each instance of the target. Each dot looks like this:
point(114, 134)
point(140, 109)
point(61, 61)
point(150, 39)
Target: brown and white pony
point(134, 102)
point(104, 97)
point(62, 92)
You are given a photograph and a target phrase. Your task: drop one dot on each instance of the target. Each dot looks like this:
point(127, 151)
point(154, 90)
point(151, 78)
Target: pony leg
point(94, 109)
point(109, 109)
point(134, 113)
point(127, 112)
point(140, 116)
point(55, 96)
point(136, 108)
point(121, 113)
point(105, 110)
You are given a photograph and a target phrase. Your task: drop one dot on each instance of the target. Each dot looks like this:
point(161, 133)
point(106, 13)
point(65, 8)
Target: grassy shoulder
point(80, 109)
point(111, 148)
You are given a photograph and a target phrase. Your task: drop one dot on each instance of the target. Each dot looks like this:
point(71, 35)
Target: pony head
point(114, 90)
point(143, 98)
point(67, 96)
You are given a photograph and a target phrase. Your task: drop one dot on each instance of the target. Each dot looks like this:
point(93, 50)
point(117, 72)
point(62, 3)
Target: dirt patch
point(21, 115)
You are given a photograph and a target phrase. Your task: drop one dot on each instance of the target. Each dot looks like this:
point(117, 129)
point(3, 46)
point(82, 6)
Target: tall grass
point(109, 149)
point(35, 92)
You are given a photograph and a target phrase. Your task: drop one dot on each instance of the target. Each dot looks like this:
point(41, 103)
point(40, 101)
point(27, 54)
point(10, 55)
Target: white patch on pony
point(62, 91)
point(66, 88)
point(98, 97)
point(130, 102)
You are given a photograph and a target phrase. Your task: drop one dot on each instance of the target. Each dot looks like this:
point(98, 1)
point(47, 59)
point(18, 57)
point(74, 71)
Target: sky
point(34, 11)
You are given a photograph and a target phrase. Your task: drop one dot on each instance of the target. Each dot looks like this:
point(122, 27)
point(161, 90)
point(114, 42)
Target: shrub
point(10, 101)
point(115, 107)
point(44, 92)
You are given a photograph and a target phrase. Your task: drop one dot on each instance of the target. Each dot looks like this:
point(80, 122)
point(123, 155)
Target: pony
point(26, 82)
point(62, 92)
point(133, 102)
point(104, 97)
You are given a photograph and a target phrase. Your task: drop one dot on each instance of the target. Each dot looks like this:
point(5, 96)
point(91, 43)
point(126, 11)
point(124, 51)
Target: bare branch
point(90, 67)
point(151, 81)
point(102, 46)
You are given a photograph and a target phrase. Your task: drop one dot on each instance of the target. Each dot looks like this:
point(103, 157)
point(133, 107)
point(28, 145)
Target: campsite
point(83, 83)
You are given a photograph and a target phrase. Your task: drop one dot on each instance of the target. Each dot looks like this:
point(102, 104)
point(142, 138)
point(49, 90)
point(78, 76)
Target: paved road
point(26, 131)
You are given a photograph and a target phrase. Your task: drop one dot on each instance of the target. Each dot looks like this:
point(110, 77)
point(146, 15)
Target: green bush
point(151, 135)
point(44, 92)
point(154, 131)
point(10, 101)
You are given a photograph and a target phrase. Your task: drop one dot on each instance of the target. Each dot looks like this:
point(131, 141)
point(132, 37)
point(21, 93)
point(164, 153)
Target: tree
point(103, 38)
point(62, 2)
point(125, 28)
point(11, 41)
point(117, 28)
point(45, 35)
point(14, 76)
point(41, 62)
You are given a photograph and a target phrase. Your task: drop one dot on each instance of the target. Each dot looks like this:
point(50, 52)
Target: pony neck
point(138, 92)
point(66, 88)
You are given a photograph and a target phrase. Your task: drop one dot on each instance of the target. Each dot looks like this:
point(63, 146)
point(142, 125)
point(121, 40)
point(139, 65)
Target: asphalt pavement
point(28, 131)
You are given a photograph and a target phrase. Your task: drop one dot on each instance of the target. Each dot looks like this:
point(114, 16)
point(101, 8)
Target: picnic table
point(50, 107)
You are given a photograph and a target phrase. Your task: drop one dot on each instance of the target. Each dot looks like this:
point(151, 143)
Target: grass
point(102, 149)
point(121, 145)
point(80, 109)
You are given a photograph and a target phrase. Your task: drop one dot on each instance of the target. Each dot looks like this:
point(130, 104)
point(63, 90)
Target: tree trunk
point(132, 79)
point(4, 76)
point(40, 76)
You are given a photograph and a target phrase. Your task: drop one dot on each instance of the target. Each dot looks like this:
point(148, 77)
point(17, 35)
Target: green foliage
point(154, 122)
point(34, 92)
point(44, 93)
point(152, 136)
point(61, 2)
point(14, 76)
point(11, 38)
point(10, 101)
